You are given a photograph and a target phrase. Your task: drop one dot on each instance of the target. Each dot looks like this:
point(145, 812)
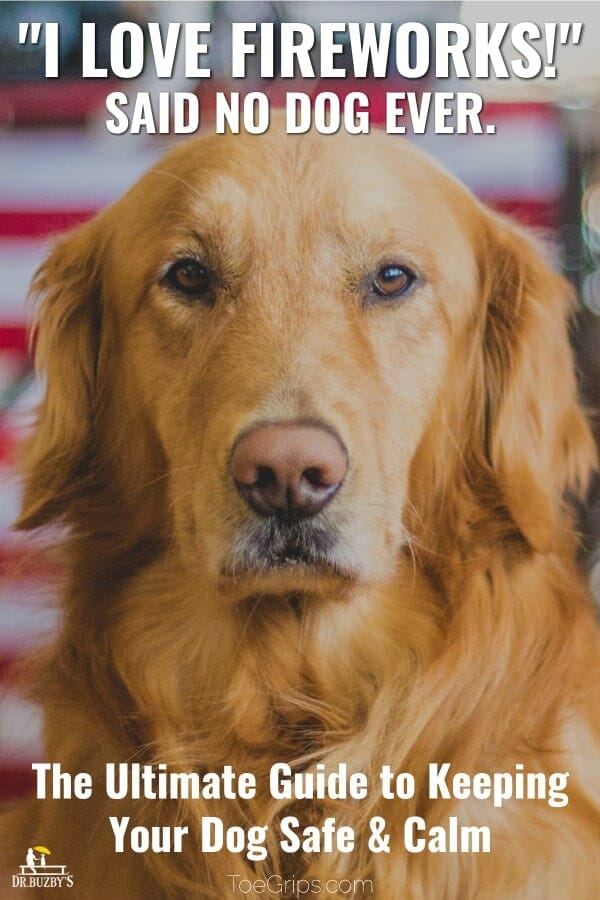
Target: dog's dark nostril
point(289, 469)
point(314, 477)
point(265, 477)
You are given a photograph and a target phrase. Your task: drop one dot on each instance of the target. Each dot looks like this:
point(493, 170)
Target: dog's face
point(307, 312)
point(287, 345)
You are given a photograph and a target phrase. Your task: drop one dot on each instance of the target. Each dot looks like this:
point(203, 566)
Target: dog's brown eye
point(392, 280)
point(189, 277)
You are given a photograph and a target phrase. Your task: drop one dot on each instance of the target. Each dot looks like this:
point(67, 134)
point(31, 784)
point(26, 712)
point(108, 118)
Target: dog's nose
point(288, 469)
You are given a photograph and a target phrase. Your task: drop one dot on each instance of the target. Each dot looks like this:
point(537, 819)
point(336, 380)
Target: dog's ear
point(67, 327)
point(537, 444)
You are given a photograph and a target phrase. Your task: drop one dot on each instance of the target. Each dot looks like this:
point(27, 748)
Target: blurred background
point(59, 166)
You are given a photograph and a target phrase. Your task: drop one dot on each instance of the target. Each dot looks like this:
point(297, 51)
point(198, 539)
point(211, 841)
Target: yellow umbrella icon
point(43, 850)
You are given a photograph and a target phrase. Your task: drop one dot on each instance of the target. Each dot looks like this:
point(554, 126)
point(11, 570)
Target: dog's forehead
point(317, 206)
point(361, 184)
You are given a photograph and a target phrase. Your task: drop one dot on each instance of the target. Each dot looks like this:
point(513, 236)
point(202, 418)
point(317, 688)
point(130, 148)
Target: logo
point(38, 872)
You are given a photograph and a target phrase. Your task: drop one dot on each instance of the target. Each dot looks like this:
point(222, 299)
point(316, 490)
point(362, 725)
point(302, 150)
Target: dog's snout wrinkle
point(289, 470)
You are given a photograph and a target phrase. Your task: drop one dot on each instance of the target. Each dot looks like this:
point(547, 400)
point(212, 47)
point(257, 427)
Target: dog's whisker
point(165, 475)
point(193, 188)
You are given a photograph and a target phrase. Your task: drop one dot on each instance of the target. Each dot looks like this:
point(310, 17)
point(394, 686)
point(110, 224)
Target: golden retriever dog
point(311, 430)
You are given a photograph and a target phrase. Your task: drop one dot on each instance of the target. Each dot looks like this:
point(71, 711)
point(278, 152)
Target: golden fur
point(455, 625)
